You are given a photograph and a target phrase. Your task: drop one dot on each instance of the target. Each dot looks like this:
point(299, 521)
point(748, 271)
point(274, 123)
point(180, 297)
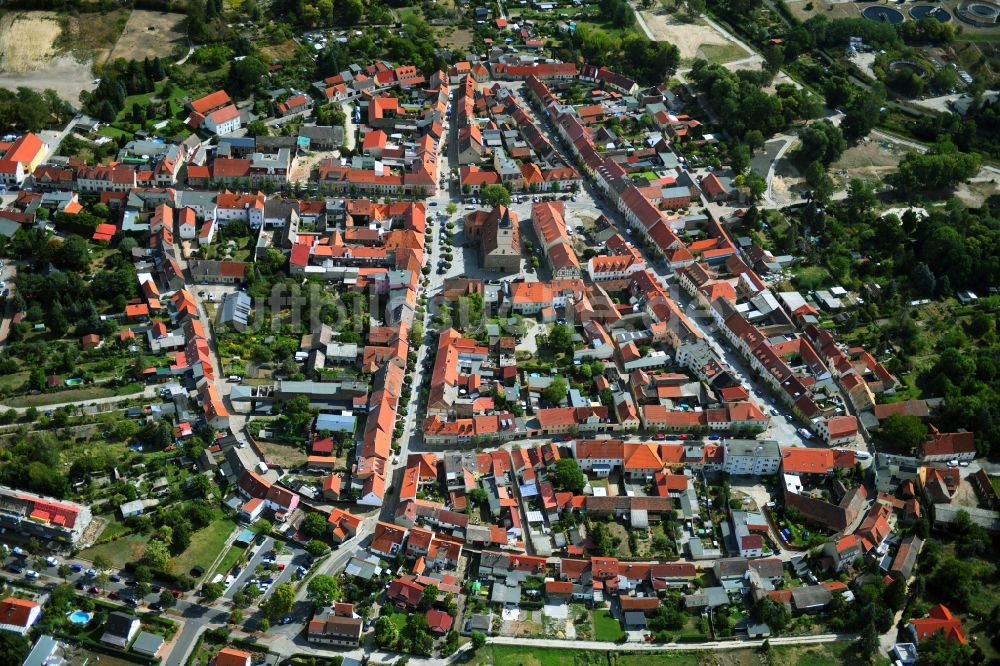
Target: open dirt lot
point(869, 160)
point(29, 56)
point(26, 40)
point(831, 10)
point(150, 34)
point(694, 39)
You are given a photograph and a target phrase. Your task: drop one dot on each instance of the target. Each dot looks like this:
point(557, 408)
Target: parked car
point(13, 568)
point(51, 561)
point(156, 606)
point(95, 590)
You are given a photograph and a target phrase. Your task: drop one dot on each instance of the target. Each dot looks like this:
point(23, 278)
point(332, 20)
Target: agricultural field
point(150, 34)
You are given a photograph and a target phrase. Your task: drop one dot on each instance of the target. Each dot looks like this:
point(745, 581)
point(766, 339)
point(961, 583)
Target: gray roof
point(42, 650)
point(323, 133)
point(767, 448)
point(635, 619)
point(147, 643)
point(505, 594)
point(235, 309)
point(811, 597)
point(363, 568)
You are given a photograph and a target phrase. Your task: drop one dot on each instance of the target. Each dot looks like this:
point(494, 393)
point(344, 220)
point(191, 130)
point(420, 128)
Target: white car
point(31, 573)
point(51, 561)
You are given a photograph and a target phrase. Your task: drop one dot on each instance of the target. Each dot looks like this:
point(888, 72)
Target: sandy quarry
point(27, 57)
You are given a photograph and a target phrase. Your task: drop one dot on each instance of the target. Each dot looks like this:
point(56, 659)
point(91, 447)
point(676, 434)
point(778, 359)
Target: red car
point(177, 593)
point(114, 594)
point(95, 590)
point(659, 435)
point(281, 567)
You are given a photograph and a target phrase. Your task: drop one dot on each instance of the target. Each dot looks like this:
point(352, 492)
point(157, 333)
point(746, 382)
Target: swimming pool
point(80, 617)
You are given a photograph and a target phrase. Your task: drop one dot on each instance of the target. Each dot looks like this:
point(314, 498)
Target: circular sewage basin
point(929, 11)
point(884, 15)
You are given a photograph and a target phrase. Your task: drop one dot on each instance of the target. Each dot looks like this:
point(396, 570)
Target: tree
point(314, 525)
point(739, 157)
point(451, 208)
point(386, 632)
point(478, 496)
point(236, 616)
point(860, 197)
point(156, 556)
point(478, 640)
point(245, 75)
point(860, 114)
point(73, 254)
point(568, 476)
point(13, 648)
point(941, 650)
point(903, 432)
point(280, 602)
point(263, 526)
point(494, 195)
point(556, 391)
point(101, 562)
point(560, 339)
point(212, 591)
point(429, 596)
point(167, 599)
point(774, 614)
point(923, 280)
point(264, 625)
point(257, 128)
point(837, 90)
point(868, 642)
point(324, 590)
point(941, 168)
point(819, 181)
point(823, 141)
point(317, 548)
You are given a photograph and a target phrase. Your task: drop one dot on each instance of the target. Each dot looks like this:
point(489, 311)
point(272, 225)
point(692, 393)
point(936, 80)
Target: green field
point(825, 654)
point(206, 544)
point(229, 559)
point(517, 655)
point(126, 549)
point(74, 395)
point(606, 627)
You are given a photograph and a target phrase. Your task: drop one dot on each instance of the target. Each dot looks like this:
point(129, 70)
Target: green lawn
point(398, 619)
point(672, 658)
point(516, 655)
point(229, 559)
point(606, 627)
point(206, 544)
point(74, 395)
point(14, 380)
point(126, 549)
point(825, 654)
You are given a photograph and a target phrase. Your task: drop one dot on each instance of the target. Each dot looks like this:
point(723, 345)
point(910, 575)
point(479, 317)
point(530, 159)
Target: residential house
point(19, 615)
